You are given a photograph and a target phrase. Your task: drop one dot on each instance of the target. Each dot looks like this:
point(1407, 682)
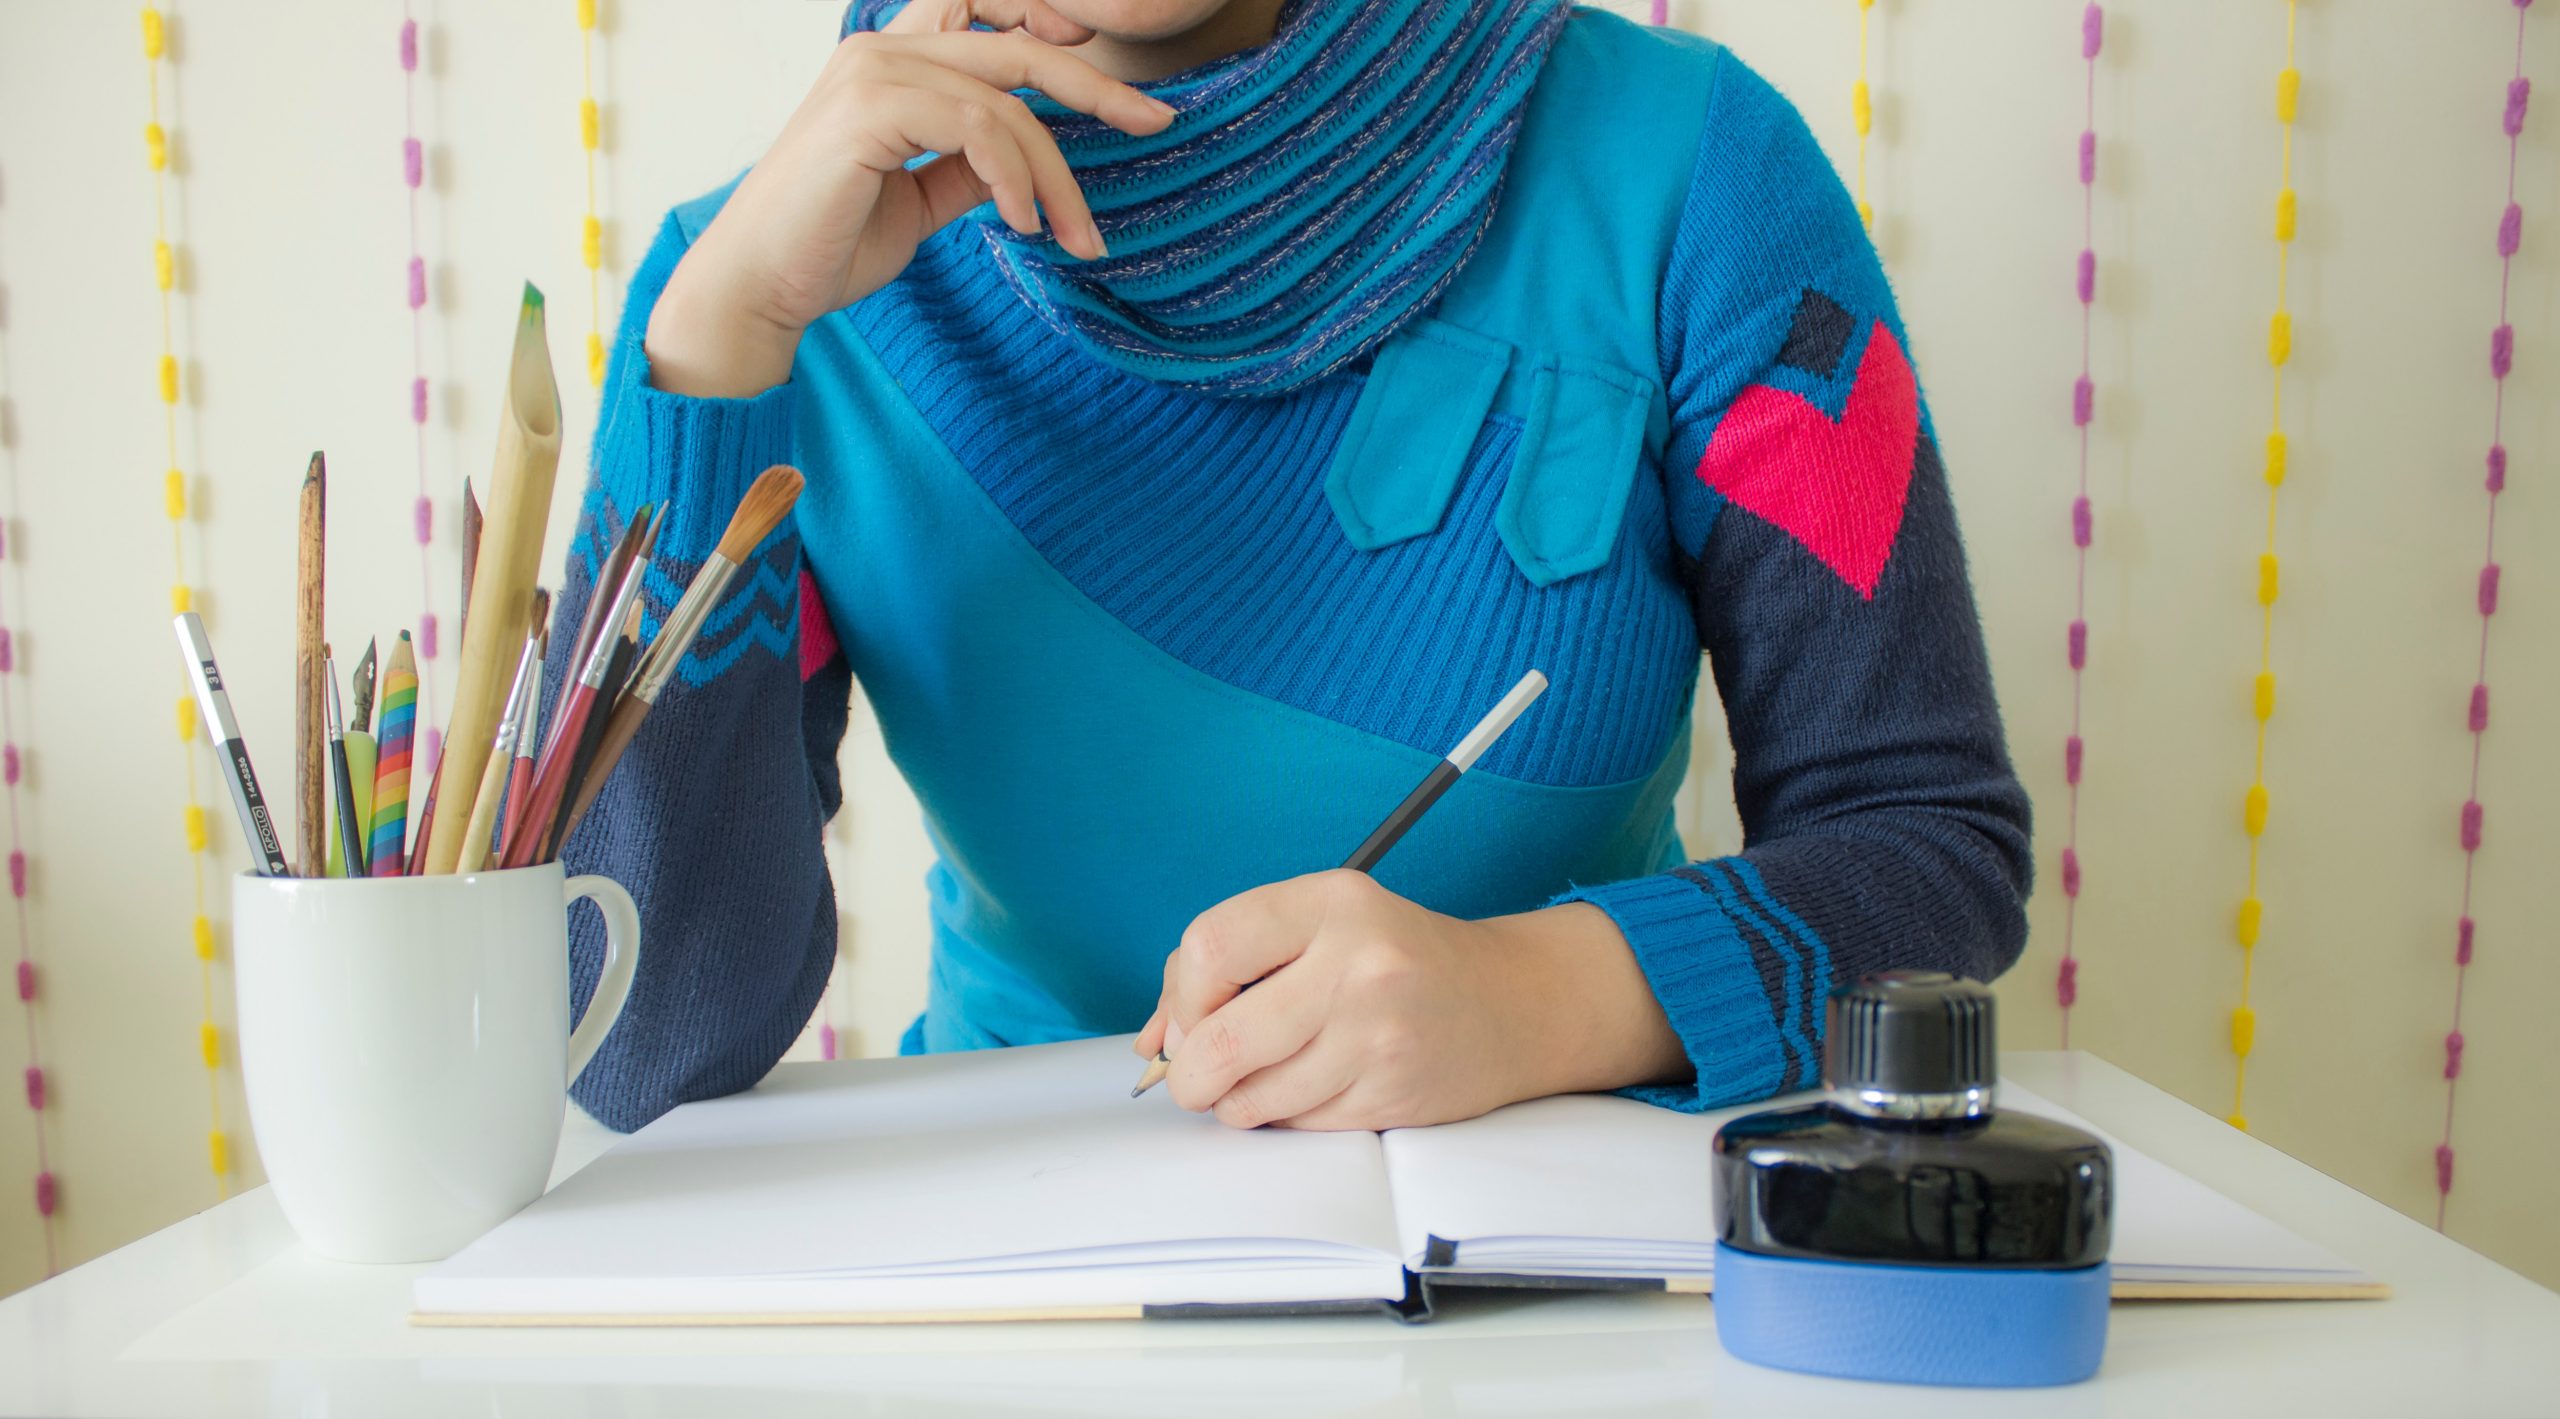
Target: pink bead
point(2088, 276)
point(2084, 399)
point(2081, 525)
point(2070, 872)
point(17, 873)
point(2088, 157)
point(2518, 91)
point(422, 515)
point(2511, 230)
point(826, 1042)
point(26, 980)
point(4, 539)
point(2462, 943)
point(413, 161)
point(2444, 1167)
point(409, 46)
point(2479, 707)
point(417, 282)
point(2093, 31)
point(9, 764)
point(8, 652)
point(35, 1088)
point(2489, 590)
point(2079, 644)
point(2066, 983)
point(2471, 826)
point(2502, 351)
point(2071, 759)
point(44, 1193)
point(435, 751)
point(2497, 468)
point(2453, 1055)
point(1661, 16)
point(427, 634)
point(418, 400)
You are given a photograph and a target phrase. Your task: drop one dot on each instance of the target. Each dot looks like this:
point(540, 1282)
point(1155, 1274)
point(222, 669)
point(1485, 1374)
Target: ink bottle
point(1903, 1228)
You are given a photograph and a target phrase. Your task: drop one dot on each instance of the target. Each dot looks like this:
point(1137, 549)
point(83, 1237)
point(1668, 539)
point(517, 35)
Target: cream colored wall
point(288, 122)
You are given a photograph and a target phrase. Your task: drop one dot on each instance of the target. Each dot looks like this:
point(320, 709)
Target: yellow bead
point(2253, 810)
point(2288, 95)
point(164, 264)
point(173, 494)
point(2251, 910)
point(586, 14)
point(1866, 216)
point(195, 828)
point(591, 242)
point(181, 599)
point(2275, 460)
point(2238, 1121)
point(218, 1152)
point(2284, 215)
point(1862, 110)
point(590, 125)
point(595, 359)
point(1866, 4)
point(155, 143)
point(186, 719)
point(211, 1039)
point(168, 379)
point(2266, 578)
point(204, 938)
point(155, 38)
point(2266, 695)
point(2279, 338)
point(2244, 1030)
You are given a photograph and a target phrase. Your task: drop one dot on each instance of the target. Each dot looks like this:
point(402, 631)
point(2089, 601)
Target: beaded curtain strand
point(2502, 348)
point(2253, 804)
point(413, 176)
point(1862, 116)
point(2066, 983)
point(155, 53)
point(46, 1191)
point(591, 232)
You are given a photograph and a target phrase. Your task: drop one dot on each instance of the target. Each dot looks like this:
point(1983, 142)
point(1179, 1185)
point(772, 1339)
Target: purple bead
point(417, 283)
point(2502, 351)
point(26, 980)
point(2511, 230)
point(2080, 519)
point(4, 539)
point(2088, 156)
point(413, 161)
point(2444, 1151)
point(2070, 872)
point(2471, 826)
point(418, 400)
point(2071, 759)
point(435, 751)
point(2518, 91)
point(826, 1041)
point(409, 46)
point(2453, 1055)
point(2079, 644)
point(427, 634)
point(44, 1193)
point(2462, 943)
point(423, 517)
point(8, 652)
point(9, 769)
point(35, 1088)
point(2479, 708)
point(2084, 401)
point(17, 873)
point(2088, 282)
point(2093, 31)
point(2066, 983)
point(2489, 590)
point(2497, 468)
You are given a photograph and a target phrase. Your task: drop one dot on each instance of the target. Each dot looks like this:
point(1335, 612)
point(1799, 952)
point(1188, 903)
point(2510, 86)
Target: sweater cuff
point(1702, 972)
point(696, 457)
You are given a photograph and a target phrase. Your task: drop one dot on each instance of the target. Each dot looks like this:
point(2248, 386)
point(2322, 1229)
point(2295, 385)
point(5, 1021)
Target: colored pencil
point(360, 760)
point(350, 842)
point(309, 755)
point(219, 723)
point(519, 505)
point(391, 762)
point(1457, 761)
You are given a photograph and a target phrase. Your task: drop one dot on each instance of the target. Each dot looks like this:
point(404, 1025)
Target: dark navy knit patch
point(1820, 336)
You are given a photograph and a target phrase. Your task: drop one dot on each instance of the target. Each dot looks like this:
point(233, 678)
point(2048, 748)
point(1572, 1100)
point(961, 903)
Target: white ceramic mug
point(406, 1046)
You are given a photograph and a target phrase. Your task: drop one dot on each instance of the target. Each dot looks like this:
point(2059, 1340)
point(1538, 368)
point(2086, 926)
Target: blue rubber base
point(1926, 1325)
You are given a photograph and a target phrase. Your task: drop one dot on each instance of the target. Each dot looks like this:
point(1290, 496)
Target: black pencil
point(1435, 783)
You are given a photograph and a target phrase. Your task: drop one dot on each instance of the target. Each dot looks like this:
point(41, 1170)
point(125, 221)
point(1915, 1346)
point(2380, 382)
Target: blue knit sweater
point(1788, 515)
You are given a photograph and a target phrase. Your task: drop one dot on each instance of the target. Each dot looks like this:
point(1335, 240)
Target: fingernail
point(1160, 106)
point(1100, 247)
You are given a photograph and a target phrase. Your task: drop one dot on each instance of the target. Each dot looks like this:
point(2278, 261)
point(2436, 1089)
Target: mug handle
point(621, 958)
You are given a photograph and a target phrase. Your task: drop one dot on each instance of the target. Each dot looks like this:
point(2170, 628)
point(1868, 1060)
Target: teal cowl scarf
point(1313, 196)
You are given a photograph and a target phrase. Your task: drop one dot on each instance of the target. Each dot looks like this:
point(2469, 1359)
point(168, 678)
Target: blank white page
point(994, 1167)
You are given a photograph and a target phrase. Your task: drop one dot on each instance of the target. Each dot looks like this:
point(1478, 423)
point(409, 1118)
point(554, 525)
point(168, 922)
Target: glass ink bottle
point(1903, 1228)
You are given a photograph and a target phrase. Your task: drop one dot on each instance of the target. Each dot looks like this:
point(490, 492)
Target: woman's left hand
point(1367, 1011)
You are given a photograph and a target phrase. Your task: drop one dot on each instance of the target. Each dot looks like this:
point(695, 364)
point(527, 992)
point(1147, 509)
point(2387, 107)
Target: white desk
point(223, 1314)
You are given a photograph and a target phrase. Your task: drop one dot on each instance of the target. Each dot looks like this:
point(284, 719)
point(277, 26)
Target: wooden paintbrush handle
point(617, 737)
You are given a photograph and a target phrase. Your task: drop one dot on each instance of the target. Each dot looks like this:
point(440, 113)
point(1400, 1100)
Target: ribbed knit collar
point(1314, 195)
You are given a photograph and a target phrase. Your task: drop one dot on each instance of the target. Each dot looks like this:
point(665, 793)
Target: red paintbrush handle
point(527, 827)
point(519, 783)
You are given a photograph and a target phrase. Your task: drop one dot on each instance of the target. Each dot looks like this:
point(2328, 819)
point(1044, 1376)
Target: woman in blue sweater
point(1195, 449)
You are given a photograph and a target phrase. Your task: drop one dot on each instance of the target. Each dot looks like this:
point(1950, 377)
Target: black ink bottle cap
point(1904, 1228)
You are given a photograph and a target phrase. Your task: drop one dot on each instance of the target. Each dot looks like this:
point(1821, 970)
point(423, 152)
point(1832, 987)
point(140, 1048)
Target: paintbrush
point(768, 501)
point(528, 461)
point(310, 757)
point(617, 676)
point(502, 749)
point(527, 831)
point(636, 540)
point(350, 841)
point(528, 735)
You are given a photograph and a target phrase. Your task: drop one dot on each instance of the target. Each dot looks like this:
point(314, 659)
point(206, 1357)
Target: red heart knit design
point(1838, 488)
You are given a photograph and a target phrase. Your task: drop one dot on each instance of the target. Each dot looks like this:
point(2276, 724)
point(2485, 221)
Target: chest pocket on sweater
point(1584, 425)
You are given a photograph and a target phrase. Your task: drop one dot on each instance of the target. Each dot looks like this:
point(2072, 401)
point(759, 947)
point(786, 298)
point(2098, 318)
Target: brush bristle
point(761, 510)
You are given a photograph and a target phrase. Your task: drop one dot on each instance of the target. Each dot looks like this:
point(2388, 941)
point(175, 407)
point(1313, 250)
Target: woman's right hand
point(833, 213)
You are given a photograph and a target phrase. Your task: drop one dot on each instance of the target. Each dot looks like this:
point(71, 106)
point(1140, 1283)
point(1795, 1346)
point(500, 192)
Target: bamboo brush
point(512, 724)
point(519, 506)
point(767, 502)
point(310, 758)
point(471, 525)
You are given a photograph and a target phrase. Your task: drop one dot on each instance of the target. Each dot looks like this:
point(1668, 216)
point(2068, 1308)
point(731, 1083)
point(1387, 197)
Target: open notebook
point(1026, 1183)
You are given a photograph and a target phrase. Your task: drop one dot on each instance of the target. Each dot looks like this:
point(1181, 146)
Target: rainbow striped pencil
point(391, 762)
